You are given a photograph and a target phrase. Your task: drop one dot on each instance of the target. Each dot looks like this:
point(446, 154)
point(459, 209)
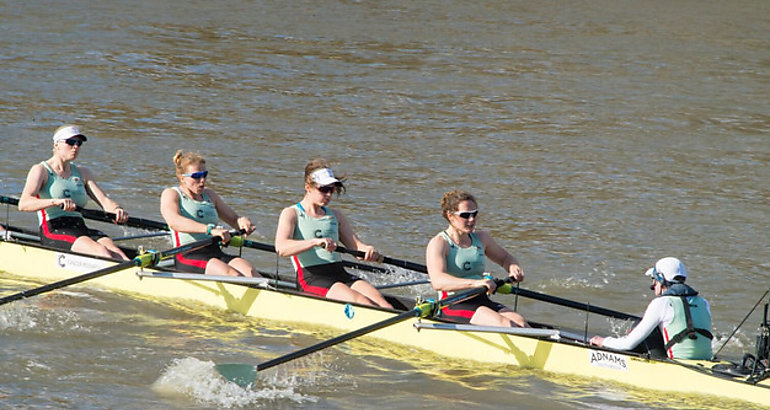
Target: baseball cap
point(667, 268)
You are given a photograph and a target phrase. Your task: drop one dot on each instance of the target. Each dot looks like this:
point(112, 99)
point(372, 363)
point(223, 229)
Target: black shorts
point(319, 279)
point(463, 312)
point(62, 232)
point(196, 261)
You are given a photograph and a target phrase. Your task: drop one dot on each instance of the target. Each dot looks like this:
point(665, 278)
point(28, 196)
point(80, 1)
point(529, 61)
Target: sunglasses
point(467, 214)
point(327, 189)
point(73, 143)
point(197, 175)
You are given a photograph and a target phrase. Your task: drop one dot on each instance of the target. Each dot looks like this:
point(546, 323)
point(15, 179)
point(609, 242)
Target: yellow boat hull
point(543, 353)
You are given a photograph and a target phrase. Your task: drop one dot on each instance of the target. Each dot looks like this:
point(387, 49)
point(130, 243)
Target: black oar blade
point(240, 374)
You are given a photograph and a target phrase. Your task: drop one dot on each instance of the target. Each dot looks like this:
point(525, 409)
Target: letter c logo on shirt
point(467, 266)
point(66, 193)
point(199, 213)
point(318, 233)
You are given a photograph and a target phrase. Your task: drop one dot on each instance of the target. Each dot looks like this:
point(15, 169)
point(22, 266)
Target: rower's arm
point(285, 244)
point(502, 257)
point(96, 193)
point(28, 201)
point(653, 316)
point(228, 215)
point(349, 238)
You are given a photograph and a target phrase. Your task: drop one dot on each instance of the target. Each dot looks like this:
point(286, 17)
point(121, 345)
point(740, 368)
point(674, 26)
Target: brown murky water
point(598, 137)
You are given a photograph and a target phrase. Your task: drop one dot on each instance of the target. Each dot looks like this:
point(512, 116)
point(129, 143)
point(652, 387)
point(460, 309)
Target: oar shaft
point(337, 340)
point(98, 215)
point(67, 282)
point(144, 260)
point(134, 222)
point(567, 303)
point(385, 259)
point(257, 245)
point(422, 310)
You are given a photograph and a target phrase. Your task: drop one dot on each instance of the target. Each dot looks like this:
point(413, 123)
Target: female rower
point(56, 187)
point(308, 232)
point(455, 260)
point(192, 211)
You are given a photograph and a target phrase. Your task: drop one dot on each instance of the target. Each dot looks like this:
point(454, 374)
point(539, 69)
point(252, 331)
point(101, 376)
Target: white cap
point(323, 177)
point(669, 268)
point(66, 132)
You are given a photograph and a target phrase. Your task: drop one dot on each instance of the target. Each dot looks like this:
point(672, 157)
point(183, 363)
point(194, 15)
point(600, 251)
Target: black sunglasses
point(327, 189)
point(72, 142)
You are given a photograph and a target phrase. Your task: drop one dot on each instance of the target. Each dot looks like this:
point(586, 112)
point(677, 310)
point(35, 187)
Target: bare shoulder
point(37, 170)
point(437, 242)
point(170, 193)
point(288, 212)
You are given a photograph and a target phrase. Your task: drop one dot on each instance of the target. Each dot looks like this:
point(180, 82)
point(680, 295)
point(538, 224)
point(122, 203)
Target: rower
point(192, 211)
point(456, 259)
point(684, 317)
point(55, 188)
point(308, 232)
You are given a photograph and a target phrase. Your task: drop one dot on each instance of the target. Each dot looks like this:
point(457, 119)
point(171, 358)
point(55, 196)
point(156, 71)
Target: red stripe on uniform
point(54, 236)
point(448, 311)
point(670, 351)
point(181, 259)
point(316, 290)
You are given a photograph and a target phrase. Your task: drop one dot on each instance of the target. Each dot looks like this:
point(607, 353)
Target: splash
point(199, 381)
point(25, 316)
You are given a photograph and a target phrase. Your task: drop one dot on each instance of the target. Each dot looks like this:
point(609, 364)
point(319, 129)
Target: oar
point(143, 260)
point(385, 259)
point(508, 288)
point(141, 236)
point(402, 284)
point(102, 216)
point(271, 248)
point(245, 374)
point(238, 280)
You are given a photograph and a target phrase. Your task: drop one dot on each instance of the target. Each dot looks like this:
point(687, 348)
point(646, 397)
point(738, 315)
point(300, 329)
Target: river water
point(598, 137)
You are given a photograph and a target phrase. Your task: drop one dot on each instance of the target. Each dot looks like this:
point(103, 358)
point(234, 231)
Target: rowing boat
point(545, 348)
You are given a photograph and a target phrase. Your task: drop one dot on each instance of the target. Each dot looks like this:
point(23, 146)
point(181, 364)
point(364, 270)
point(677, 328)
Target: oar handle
point(385, 259)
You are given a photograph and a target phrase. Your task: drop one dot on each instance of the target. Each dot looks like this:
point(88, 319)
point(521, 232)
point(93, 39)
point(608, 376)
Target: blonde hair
point(320, 163)
point(184, 159)
point(451, 200)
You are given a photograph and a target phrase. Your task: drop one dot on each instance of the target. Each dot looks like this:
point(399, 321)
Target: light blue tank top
point(203, 211)
point(57, 187)
point(308, 227)
point(466, 263)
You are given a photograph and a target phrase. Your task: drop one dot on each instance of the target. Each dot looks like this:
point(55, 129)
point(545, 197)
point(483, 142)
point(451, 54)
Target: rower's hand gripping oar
point(245, 374)
point(144, 260)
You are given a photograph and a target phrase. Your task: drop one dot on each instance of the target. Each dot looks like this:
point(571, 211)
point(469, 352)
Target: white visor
point(323, 177)
point(68, 132)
